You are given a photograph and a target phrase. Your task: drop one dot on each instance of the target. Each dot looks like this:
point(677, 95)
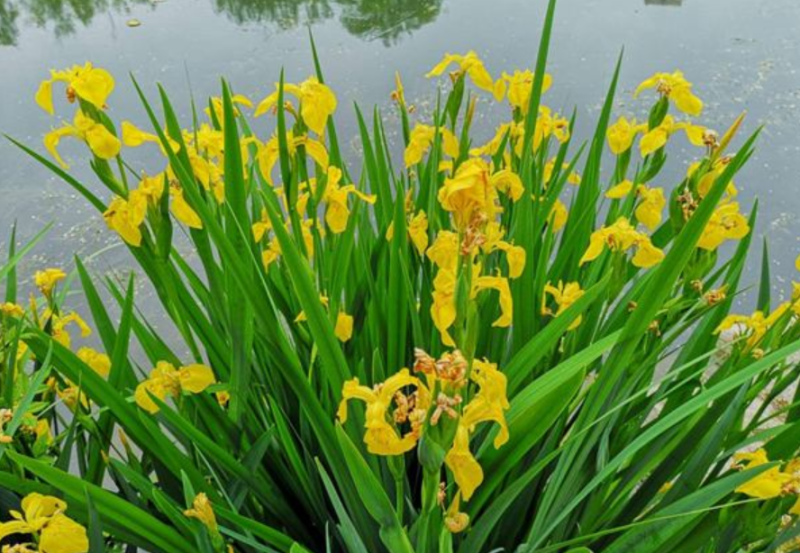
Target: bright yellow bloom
point(317, 102)
point(705, 182)
point(46, 280)
point(11, 310)
point(269, 153)
point(61, 323)
point(620, 237)
point(675, 87)
point(166, 380)
point(519, 87)
point(126, 216)
point(89, 83)
point(421, 139)
point(558, 215)
point(444, 250)
point(181, 209)
point(418, 231)
point(133, 137)
point(455, 521)
point(620, 135)
point(564, 295)
point(338, 212)
point(754, 326)
point(101, 142)
point(655, 139)
point(648, 212)
point(488, 405)
point(768, 484)
point(514, 131)
point(515, 256)
point(219, 111)
point(381, 437)
point(43, 516)
point(470, 64)
point(97, 361)
point(473, 189)
point(506, 302)
point(619, 191)
point(202, 511)
point(443, 308)
point(726, 223)
point(344, 327)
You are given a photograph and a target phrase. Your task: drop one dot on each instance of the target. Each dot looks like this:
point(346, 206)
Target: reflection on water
point(663, 2)
point(384, 20)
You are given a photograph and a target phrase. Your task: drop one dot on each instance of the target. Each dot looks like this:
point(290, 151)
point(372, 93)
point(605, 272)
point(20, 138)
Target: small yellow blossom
point(344, 326)
point(564, 295)
point(338, 212)
point(488, 405)
point(166, 380)
point(46, 280)
point(621, 134)
point(11, 310)
point(126, 216)
point(381, 437)
point(519, 86)
point(470, 64)
point(726, 223)
point(43, 517)
point(619, 191)
point(620, 237)
point(89, 83)
point(675, 87)
point(181, 209)
point(202, 511)
point(97, 361)
point(317, 102)
point(652, 203)
point(421, 139)
point(101, 142)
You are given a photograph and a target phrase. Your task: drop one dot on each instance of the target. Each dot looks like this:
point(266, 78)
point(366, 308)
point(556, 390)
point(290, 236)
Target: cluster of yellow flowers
point(755, 326)
point(51, 531)
point(774, 482)
point(437, 399)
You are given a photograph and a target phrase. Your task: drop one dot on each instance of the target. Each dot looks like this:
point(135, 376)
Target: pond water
point(741, 55)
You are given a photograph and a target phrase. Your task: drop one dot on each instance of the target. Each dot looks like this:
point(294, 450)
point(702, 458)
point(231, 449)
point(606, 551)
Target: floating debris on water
point(134, 23)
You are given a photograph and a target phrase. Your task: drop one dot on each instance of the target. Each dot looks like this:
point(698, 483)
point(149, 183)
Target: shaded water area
point(741, 55)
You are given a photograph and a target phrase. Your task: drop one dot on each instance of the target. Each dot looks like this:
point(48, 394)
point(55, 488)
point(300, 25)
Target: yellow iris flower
point(101, 142)
point(655, 139)
point(46, 280)
point(652, 202)
point(89, 83)
point(488, 405)
point(726, 223)
point(474, 189)
point(675, 87)
point(519, 86)
point(621, 134)
point(338, 212)
point(471, 65)
point(317, 102)
point(564, 295)
point(620, 237)
point(619, 191)
point(43, 517)
point(381, 437)
point(421, 139)
point(166, 380)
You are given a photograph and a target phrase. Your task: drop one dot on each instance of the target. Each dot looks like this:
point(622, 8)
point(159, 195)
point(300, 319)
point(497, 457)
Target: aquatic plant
point(517, 345)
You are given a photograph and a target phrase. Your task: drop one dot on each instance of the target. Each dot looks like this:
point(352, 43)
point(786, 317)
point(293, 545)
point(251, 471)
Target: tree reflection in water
point(384, 20)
